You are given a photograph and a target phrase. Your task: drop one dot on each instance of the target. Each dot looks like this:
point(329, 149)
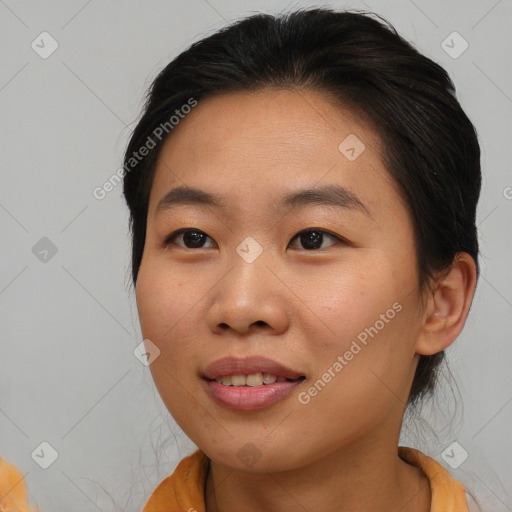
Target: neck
point(369, 478)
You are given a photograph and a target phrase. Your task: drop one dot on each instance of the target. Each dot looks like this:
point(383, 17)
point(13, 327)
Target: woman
point(302, 193)
point(304, 249)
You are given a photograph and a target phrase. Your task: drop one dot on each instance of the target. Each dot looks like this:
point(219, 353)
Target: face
point(324, 286)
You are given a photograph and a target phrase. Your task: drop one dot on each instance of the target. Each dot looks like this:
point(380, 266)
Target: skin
point(302, 307)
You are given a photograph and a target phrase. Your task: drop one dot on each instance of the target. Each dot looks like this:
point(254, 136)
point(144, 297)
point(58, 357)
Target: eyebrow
point(328, 195)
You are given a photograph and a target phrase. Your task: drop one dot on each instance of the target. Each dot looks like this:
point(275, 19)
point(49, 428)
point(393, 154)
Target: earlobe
point(448, 306)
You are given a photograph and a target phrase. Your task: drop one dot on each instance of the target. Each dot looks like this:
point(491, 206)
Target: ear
point(448, 306)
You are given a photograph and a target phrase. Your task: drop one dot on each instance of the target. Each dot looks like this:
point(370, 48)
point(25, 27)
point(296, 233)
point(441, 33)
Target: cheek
point(165, 319)
point(162, 314)
point(367, 336)
point(349, 303)
point(160, 300)
point(169, 301)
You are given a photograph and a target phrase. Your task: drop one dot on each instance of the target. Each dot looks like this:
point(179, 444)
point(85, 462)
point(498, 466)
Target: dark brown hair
point(430, 146)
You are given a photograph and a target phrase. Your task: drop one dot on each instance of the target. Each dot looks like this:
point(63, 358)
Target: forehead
point(302, 120)
point(271, 142)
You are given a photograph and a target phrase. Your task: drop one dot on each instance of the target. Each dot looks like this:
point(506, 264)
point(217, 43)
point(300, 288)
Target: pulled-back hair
point(430, 146)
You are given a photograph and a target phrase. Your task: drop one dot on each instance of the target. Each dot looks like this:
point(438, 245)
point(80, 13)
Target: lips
point(255, 394)
point(248, 366)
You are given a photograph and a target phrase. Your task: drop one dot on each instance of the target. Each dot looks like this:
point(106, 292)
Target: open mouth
point(250, 384)
point(253, 379)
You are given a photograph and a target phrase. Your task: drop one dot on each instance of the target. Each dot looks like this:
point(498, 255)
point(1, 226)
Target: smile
point(250, 383)
point(249, 398)
point(252, 380)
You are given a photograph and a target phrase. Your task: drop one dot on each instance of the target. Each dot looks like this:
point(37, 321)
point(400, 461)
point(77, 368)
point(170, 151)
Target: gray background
point(68, 375)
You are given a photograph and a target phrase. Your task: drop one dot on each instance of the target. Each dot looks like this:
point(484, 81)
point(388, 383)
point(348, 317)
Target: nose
point(249, 299)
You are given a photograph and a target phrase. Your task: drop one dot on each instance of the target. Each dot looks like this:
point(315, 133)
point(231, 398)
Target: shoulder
point(448, 494)
point(13, 489)
point(184, 489)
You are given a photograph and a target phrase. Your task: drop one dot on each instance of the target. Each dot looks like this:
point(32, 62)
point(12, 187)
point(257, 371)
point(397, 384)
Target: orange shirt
point(183, 491)
point(13, 490)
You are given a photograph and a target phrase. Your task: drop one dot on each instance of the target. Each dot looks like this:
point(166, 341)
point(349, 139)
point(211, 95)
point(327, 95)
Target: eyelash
point(340, 239)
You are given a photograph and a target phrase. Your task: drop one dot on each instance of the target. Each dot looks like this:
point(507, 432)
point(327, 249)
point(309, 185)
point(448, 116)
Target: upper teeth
point(254, 379)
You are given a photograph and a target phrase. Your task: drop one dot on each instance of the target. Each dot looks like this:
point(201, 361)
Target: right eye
point(192, 238)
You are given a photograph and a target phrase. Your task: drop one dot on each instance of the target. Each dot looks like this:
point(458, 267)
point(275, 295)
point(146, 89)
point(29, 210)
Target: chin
point(251, 457)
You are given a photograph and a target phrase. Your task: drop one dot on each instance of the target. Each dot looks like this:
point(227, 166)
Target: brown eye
point(313, 238)
point(192, 238)
point(310, 239)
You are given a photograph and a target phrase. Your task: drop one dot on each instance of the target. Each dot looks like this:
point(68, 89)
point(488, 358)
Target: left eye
point(311, 238)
